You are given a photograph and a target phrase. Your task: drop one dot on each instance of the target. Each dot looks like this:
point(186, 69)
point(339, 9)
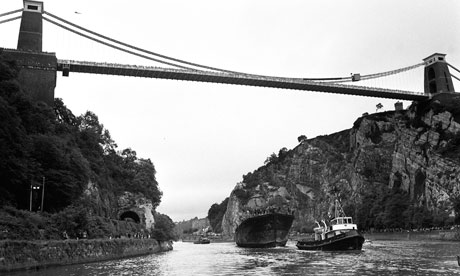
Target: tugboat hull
point(351, 240)
point(269, 230)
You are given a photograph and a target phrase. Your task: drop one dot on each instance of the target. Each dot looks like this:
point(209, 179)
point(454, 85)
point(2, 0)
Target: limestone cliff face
point(296, 181)
point(136, 207)
point(414, 150)
point(127, 206)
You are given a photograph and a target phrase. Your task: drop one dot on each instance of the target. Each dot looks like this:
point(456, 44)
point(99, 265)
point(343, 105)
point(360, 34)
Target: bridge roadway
point(239, 79)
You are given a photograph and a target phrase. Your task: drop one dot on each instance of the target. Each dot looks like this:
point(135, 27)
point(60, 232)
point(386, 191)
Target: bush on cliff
point(20, 224)
point(70, 223)
point(164, 228)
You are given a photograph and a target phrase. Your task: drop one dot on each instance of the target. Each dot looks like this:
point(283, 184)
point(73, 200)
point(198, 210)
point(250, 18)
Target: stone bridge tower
point(37, 74)
point(437, 75)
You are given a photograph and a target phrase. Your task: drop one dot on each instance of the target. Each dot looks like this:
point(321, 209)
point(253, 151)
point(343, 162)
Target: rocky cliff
point(392, 169)
point(195, 225)
point(132, 207)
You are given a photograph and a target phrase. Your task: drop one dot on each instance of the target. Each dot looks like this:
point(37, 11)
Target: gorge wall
point(410, 154)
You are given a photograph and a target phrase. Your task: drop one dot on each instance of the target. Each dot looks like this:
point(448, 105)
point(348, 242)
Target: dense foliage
point(50, 146)
point(39, 143)
point(215, 215)
point(164, 228)
point(384, 208)
point(73, 222)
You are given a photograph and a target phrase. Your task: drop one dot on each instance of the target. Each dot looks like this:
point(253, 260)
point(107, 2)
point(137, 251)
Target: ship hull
point(352, 240)
point(268, 230)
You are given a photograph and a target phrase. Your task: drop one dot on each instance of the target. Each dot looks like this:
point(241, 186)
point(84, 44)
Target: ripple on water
point(377, 258)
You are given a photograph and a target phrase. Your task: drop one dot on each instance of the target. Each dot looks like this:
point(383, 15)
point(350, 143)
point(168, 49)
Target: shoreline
point(432, 235)
point(26, 255)
point(428, 235)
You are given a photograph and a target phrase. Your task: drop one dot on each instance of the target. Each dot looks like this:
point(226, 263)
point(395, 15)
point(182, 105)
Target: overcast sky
point(203, 137)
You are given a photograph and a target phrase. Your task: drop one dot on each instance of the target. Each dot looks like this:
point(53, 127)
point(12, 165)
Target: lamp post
point(43, 194)
point(31, 197)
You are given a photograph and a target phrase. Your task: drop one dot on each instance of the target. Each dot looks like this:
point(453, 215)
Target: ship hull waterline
point(263, 231)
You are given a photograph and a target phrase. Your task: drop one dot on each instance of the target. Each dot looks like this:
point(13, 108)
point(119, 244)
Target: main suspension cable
point(328, 80)
point(455, 77)
point(382, 74)
point(10, 19)
point(451, 66)
point(143, 50)
point(116, 47)
point(392, 72)
point(11, 12)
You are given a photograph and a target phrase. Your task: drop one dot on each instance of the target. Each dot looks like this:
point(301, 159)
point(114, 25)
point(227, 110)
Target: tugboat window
point(31, 7)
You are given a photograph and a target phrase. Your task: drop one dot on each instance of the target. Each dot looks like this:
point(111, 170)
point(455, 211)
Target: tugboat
point(264, 230)
point(202, 240)
point(341, 234)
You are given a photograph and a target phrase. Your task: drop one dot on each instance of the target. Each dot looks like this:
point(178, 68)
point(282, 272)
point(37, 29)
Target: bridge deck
point(239, 79)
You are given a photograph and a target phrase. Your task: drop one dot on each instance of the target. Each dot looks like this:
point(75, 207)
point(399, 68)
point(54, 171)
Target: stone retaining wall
point(16, 255)
point(434, 235)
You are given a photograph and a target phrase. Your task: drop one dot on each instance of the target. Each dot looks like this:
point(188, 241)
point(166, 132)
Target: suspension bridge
point(38, 69)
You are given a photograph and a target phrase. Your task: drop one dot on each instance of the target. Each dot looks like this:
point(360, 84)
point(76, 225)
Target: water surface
point(376, 258)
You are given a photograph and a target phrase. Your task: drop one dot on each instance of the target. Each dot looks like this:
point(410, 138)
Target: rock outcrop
point(137, 208)
point(193, 226)
point(127, 206)
point(414, 151)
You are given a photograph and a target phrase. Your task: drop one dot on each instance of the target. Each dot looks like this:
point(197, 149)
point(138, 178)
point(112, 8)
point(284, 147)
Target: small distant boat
point(265, 230)
point(202, 240)
point(341, 234)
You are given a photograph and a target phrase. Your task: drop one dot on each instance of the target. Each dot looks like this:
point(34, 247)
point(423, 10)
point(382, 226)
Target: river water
point(376, 258)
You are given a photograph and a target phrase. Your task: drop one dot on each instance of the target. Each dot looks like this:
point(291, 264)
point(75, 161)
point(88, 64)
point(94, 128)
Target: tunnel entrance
point(130, 216)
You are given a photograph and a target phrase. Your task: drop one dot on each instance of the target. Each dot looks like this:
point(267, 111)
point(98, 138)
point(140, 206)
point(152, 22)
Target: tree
point(164, 229)
point(282, 154)
point(89, 120)
point(144, 181)
point(301, 138)
point(215, 215)
point(63, 114)
point(38, 141)
point(456, 204)
point(395, 208)
point(14, 161)
point(273, 158)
